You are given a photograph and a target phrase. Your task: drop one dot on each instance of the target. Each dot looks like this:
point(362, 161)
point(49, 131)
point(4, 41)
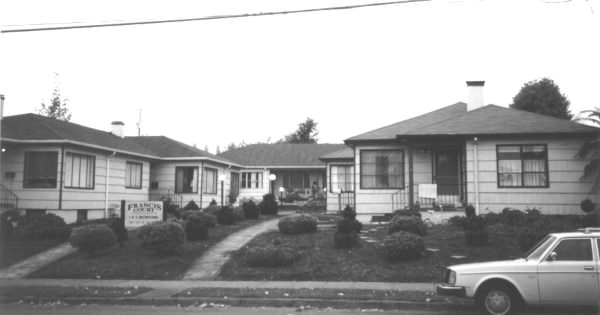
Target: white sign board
point(428, 191)
point(138, 213)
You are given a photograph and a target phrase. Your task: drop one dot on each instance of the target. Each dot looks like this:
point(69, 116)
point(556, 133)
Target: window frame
point(141, 174)
point(93, 175)
point(403, 169)
point(546, 165)
point(196, 185)
point(26, 184)
point(205, 181)
point(247, 179)
point(351, 178)
point(590, 240)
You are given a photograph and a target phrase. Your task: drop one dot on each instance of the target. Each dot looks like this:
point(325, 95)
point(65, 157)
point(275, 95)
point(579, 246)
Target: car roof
point(593, 232)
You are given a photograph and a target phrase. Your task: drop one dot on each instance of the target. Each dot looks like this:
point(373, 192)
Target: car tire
point(498, 299)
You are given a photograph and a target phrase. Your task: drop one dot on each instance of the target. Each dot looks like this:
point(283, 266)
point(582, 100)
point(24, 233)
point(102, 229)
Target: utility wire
point(204, 18)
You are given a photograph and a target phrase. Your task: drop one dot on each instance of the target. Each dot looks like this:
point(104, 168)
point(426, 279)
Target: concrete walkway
point(209, 265)
point(33, 263)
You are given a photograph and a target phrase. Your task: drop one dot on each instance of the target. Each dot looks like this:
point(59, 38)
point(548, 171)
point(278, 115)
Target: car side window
point(574, 250)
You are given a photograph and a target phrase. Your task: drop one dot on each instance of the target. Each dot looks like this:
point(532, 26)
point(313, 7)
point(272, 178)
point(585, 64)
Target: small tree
point(57, 108)
point(591, 150)
point(306, 133)
point(542, 97)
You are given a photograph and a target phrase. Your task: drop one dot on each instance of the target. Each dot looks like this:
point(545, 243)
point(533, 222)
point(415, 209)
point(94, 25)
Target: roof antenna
point(139, 123)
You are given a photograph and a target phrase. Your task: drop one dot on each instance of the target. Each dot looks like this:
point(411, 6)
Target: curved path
point(208, 266)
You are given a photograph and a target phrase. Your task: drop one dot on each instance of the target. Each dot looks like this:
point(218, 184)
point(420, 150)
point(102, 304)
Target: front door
point(446, 171)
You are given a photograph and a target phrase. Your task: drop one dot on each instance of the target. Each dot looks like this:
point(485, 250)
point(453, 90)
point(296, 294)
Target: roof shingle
point(281, 154)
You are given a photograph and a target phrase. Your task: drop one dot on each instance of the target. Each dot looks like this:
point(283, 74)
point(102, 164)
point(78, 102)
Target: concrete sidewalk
point(35, 262)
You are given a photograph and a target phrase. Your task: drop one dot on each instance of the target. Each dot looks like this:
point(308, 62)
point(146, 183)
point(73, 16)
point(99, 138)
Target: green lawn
point(13, 251)
point(321, 261)
point(133, 262)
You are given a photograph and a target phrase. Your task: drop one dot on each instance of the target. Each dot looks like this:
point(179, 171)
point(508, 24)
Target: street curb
point(249, 302)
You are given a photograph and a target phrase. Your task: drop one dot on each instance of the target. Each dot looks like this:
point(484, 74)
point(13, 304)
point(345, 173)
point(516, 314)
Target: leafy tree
point(306, 133)
point(542, 97)
point(591, 150)
point(57, 108)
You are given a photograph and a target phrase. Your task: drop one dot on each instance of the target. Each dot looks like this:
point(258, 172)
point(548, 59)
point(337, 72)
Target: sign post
point(138, 213)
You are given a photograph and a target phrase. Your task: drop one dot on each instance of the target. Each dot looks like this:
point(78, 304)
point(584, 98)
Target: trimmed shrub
point(492, 218)
point(47, 226)
point(225, 216)
point(213, 203)
point(93, 237)
point(114, 223)
point(457, 220)
point(172, 209)
point(349, 226)
point(185, 214)
point(191, 206)
point(297, 224)
point(408, 213)
point(474, 223)
point(238, 214)
point(587, 205)
point(469, 211)
point(408, 224)
point(345, 240)
point(476, 237)
point(348, 213)
point(402, 246)
point(196, 227)
point(512, 217)
point(590, 220)
point(163, 238)
point(529, 235)
point(268, 205)
point(272, 255)
point(212, 210)
point(251, 211)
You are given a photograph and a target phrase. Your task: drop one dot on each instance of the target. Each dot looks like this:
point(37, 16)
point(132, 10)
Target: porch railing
point(8, 199)
point(168, 194)
point(446, 199)
point(345, 198)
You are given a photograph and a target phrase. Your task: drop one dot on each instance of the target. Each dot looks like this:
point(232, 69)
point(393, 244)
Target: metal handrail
point(8, 199)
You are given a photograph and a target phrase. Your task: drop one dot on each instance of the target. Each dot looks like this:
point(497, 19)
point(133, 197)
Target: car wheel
point(498, 300)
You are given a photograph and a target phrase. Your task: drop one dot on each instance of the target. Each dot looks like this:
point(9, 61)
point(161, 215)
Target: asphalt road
point(51, 309)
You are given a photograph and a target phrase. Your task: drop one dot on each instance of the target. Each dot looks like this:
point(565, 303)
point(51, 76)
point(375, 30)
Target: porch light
point(272, 179)
point(222, 178)
point(3, 150)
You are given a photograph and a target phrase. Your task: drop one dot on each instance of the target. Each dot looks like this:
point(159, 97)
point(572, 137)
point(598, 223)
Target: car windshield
point(536, 251)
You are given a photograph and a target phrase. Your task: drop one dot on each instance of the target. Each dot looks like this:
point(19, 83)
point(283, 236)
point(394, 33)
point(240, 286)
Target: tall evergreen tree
point(542, 97)
point(306, 133)
point(57, 108)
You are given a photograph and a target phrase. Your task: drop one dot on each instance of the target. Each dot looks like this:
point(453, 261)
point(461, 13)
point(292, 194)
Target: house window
point(40, 169)
point(382, 169)
point(82, 215)
point(209, 185)
point(252, 180)
point(186, 179)
point(522, 165)
point(296, 180)
point(342, 178)
point(133, 175)
point(79, 171)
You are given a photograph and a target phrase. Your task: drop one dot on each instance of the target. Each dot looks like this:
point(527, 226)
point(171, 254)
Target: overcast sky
point(254, 79)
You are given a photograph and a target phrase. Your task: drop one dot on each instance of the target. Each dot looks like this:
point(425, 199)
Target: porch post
point(411, 198)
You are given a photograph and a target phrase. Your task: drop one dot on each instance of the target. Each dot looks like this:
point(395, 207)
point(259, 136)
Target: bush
point(401, 246)
point(297, 224)
point(349, 213)
point(529, 235)
point(476, 237)
point(8, 220)
point(185, 214)
point(213, 203)
point(196, 227)
point(294, 196)
point(212, 209)
point(268, 205)
point(492, 218)
point(191, 206)
point(512, 217)
point(345, 240)
point(114, 223)
point(349, 226)
point(47, 226)
point(408, 213)
point(225, 216)
point(469, 211)
point(587, 205)
point(238, 214)
point(272, 255)
point(93, 237)
point(408, 224)
point(163, 238)
point(457, 220)
point(474, 223)
point(251, 211)
point(590, 220)
point(172, 209)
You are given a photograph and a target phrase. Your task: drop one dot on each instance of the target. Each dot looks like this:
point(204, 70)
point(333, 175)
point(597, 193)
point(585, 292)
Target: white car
point(562, 269)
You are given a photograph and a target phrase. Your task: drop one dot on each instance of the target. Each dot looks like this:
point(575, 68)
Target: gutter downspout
point(476, 175)
point(201, 188)
point(107, 183)
point(62, 172)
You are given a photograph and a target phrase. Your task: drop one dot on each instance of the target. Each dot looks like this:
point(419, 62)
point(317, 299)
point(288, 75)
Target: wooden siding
point(563, 196)
point(256, 194)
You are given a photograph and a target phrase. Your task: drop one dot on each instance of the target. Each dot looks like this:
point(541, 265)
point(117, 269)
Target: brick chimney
point(474, 94)
point(117, 128)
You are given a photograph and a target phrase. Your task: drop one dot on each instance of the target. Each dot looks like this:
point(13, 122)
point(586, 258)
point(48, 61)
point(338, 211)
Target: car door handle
point(588, 268)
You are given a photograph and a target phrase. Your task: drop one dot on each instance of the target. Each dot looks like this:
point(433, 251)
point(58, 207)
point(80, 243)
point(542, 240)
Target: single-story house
point(489, 156)
point(82, 173)
point(296, 168)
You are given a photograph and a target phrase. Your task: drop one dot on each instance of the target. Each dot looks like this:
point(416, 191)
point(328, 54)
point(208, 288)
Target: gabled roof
point(486, 120)
point(390, 132)
point(166, 148)
point(32, 128)
point(497, 120)
point(343, 154)
point(283, 155)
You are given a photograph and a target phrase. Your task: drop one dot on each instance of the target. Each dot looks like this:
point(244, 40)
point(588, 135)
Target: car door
point(568, 274)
